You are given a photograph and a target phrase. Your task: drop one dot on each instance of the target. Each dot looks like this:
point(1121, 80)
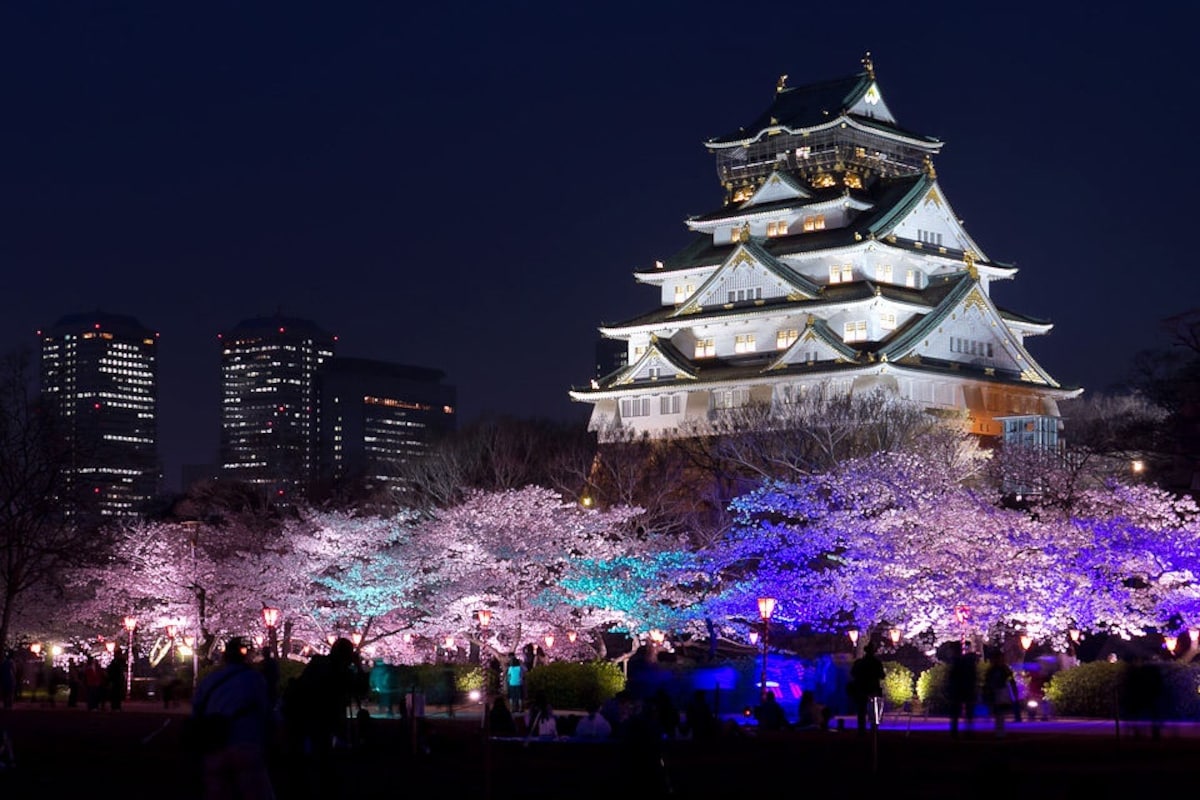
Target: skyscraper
point(270, 403)
point(99, 376)
point(378, 416)
point(835, 264)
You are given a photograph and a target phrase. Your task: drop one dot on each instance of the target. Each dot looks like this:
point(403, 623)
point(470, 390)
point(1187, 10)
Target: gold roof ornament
point(781, 84)
point(868, 65)
point(929, 170)
point(969, 260)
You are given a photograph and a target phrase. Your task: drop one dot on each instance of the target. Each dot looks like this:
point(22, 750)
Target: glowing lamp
point(1170, 642)
point(130, 623)
point(894, 635)
point(55, 650)
point(766, 607)
point(110, 647)
point(1074, 634)
point(1194, 634)
point(331, 638)
point(657, 636)
point(449, 643)
point(189, 641)
point(270, 616)
point(1026, 641)
point(36, 648)
point(853, 634)
point(357, 638)
point(485, 617)
point(549, 640)
point(753, 637)
point(171, 631)
point(572, 636)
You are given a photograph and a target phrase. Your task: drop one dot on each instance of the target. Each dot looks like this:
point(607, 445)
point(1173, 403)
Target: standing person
point(116, 679)
point(93, 683)
point(74, 681)
point(700, 719)
point(8, 680)
point(500, 719)
point(592, 725)
point(540, 720)
point(866, 684)
point(1000, 689)
point(515, 679)
point(237, 695)
point(962, 688)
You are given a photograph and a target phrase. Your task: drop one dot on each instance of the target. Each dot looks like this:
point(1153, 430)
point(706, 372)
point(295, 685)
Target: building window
point(887, 321)
point(705, 348)
point(670, 404)
point(635, 406)
point(841, 273)
point(815, 223)
point(856, 331)
point(744, 343)
point(639, 351)
point(743, 193)
point(971, 348)
point(742, 295)
point(777, 228)
point(929, 237)
point(683, 292)
point(730, 398)
point(884, 273)
point(785, 338)
point(803, 152)
point(654, 372)
point(910, 278)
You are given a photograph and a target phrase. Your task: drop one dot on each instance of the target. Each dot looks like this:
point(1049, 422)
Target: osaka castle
point(835, 263)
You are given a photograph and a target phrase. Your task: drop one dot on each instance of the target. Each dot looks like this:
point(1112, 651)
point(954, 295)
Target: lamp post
point(766, 607)
point(130, 625)
point(270, 618)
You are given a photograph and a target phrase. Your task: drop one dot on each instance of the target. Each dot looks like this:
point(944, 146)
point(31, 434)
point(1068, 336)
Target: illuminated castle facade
point(835, 263)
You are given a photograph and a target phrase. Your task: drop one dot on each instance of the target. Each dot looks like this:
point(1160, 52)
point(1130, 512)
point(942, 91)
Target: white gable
point(777, 187)
point(932, 221)
point(652, 366)
point(810, 347)
point(871, 105)
point(742, 278)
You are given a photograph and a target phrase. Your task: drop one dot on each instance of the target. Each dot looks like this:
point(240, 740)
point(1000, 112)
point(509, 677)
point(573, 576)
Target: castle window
point(744, 343)
point(803, 152)
point(635, 406)
point(777, 228)
point(705, 348)
point(654, 373)
point(815, 223)
point(639, 351)
point(741, 295)
point(887, 321)
point(855, 331)
point(910, 278)
point(841, 273)
point(683, 292)
point(785, 338)
point(730, 398)
point(929, 237)
point(670, 404)
point(884, 273)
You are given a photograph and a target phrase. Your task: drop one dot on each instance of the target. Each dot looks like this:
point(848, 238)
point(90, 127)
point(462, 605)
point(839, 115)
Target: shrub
point(933, 689)
point(897, 683)
point(570, 684)
point(1086, 690)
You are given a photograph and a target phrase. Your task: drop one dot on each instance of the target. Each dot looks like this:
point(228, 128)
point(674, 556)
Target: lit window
point(785, 338)
point(683, 292)
point(777, 228)
point(887, 321)
point(639, 351)
point(744, 343)
point(841, 273)
point(803, 152)
point(910, 278)
point(816, 223)
point(705, 348)
point(855, 331)
point(884, 273)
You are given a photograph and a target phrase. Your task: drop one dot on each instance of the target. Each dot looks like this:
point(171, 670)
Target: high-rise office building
point(270, 404)
point(376, 417)
point(99, 376)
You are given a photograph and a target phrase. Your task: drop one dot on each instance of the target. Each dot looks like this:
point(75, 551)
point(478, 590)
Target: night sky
point(470, 186)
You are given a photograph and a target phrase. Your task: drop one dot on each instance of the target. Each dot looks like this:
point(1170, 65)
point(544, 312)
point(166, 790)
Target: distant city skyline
point(471, 189)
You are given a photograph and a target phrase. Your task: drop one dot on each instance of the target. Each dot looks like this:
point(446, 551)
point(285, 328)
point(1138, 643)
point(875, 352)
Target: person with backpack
point(231, 724)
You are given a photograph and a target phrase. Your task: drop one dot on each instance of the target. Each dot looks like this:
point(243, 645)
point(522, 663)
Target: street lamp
point(894, 635)
point(1026, 641)
point(36, 648)
point(853, 634)
point(130, 624)
point(1170, 641)
point(357, 638)
point(270, 618)
point(766, 607)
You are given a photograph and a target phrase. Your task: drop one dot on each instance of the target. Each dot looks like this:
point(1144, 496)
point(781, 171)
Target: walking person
point(1000, 689)
point(962, 688)
point(116, 679)
point(866, 685)
point(515, 680)
point(237, 696)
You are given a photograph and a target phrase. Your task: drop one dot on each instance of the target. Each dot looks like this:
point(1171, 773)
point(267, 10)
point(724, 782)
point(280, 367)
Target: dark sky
point(469, 186)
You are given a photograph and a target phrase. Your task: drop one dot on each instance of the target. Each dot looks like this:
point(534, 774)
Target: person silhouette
point(999, 686)
point(962, 688)
point(866, 684)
